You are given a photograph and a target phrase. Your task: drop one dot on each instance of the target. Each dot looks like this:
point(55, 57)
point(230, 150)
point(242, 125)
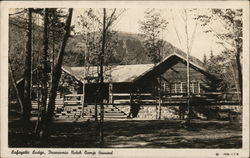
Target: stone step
point(114, 114)
point(75, 111)
point(124, 116)
point(34, 118)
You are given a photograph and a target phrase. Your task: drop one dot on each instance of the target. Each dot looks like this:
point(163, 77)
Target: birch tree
point(186, 41)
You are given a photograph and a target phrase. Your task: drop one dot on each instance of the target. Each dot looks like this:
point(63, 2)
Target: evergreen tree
point(205, 60)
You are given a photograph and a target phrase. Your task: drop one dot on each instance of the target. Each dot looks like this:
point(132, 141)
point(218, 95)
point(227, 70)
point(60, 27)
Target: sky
point(203, 43)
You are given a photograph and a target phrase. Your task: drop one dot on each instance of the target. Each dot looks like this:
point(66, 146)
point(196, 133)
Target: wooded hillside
point(129, 48)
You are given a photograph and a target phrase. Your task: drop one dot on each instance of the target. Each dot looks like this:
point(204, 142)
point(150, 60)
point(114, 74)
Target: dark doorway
point(92, 90)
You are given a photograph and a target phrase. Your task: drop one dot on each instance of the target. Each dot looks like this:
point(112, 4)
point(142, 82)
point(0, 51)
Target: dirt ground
point(132, 134)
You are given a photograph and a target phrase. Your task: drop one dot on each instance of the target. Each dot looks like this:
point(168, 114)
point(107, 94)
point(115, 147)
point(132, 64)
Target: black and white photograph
point(94, 79)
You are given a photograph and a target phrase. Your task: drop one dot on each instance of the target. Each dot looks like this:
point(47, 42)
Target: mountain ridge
point(130, 50)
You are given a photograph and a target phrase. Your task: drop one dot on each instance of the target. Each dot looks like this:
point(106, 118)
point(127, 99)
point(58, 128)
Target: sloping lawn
point(132, 134)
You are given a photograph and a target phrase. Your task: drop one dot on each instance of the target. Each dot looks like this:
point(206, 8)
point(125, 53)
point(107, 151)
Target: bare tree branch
point(176, 31)
point(23, 11)
point(110, 20)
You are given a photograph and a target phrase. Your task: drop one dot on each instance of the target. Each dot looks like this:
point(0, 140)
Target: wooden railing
point(207, 98)
point(72, 99)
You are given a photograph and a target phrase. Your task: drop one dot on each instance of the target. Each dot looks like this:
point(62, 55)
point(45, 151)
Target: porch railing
point(168, 98)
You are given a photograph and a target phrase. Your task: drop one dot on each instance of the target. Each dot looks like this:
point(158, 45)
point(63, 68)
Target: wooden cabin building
point(168, 78)
point(146, 85)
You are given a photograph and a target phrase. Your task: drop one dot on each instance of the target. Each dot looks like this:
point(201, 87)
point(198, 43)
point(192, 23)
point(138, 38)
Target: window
point(181, 87)
point(176, 87)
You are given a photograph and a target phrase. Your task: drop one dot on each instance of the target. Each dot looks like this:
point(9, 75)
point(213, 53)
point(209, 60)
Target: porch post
point(160, 100)
point(164, 88)
point(199, 88)
point(181, 88)
point(111, 93)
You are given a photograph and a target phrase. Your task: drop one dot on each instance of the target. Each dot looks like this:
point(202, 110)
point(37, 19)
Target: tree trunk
point(97, 97)
point(188, 69)
point(96, 111)
point(17, 91)
point(239, 74)
point(56, 77)
point(101, 77)
point(45, 67)
point(27, 71)
point(83, 98)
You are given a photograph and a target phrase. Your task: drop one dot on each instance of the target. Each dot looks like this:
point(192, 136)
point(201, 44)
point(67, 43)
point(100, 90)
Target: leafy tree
point(56, 78)
point(55, 31)
point(224, 70)
point(18, 24)
point(20, 50)
point(105, 50)
point(17, 49)
point(151, 28)
point(100, 44)
point(229, 36)
point(90, 25)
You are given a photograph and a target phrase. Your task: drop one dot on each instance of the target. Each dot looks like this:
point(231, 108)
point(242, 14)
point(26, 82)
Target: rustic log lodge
point(138, 88)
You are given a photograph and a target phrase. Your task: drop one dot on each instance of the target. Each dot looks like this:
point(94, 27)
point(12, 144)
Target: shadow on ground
point(132, 134)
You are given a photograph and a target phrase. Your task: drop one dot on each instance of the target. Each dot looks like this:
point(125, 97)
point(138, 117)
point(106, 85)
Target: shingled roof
point(126, 73)
point(119, 73)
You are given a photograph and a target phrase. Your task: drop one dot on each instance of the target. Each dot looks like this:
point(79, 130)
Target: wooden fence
point(209, 98)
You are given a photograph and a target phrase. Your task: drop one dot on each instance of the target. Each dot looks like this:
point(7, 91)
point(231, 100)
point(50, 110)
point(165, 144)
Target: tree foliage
point(151, 29)
point(224, 71)
point(90, 23)
point(55, 79)
point(226, 25)
point(98, 44)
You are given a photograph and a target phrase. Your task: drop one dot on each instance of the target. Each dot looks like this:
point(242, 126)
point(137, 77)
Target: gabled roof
point(119, 73)
point(129, 73)
point(194, 62)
